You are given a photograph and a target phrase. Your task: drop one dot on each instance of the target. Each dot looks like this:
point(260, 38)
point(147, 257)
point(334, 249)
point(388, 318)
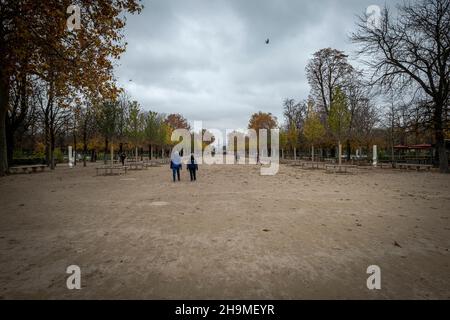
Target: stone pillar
point(375, 156)
point(70, 157)
point(112, 154)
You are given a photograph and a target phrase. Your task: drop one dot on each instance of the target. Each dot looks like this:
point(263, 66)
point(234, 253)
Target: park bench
point(383, 165)
point(152, 163)
point(136, 165)
point(27, 169)
point(313, 165)
point(295, 163)
point(416, 166)
point(360, 162)
point(336, 168)
point(111, 170)
point(158, 162)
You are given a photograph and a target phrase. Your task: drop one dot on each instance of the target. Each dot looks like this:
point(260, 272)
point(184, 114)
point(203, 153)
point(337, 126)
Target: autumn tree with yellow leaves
point(37, 46)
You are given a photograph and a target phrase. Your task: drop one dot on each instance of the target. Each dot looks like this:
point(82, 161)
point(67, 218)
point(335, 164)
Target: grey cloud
point(208, 60)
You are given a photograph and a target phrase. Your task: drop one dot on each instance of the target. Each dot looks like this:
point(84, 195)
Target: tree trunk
point(47, 144)
point(4, 101)
point(112, 154)
point(48, 123)
point(9, 142)
point(440, 138)
point(106, 150)
point(84, 144)
point(75, 148)
point(3, 148)
point(441, 152)
point(340, 152)
point(349, 150)
point(52, 150)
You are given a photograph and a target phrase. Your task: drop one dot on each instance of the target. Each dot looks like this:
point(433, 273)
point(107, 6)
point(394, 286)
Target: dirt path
point(233, 234)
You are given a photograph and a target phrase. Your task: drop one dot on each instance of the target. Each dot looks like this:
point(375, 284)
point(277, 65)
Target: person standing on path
point(192, 167)
point(175, 165)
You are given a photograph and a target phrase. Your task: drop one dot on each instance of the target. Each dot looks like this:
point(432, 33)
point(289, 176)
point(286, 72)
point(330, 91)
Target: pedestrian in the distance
point(193, 168)
point(123, 156)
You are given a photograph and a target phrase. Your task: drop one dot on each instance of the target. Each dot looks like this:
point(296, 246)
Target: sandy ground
point(233, 234)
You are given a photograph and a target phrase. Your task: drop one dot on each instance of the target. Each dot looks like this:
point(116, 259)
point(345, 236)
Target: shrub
point(58, 155)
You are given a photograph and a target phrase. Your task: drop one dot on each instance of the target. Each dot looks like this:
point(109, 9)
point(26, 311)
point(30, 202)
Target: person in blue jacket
point(193, 168)
point(175, 165)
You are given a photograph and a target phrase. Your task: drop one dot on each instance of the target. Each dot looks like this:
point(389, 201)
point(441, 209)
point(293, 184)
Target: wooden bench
point(313, 165)
point(383, 165)
point(416, 166)
point(360, 162)
point(295, 163)
point(27, 169)
point(136, 165)
point(152, 163)
point(111, 170)
point(159, 162)
point(336, 168)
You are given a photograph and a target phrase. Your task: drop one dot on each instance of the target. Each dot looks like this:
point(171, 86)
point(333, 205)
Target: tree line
point(57, 86)
point(401, 96)
point(340, 109)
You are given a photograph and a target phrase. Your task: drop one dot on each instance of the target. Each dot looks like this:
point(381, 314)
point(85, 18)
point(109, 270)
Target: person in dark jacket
point(193, 168)
point(123, 156)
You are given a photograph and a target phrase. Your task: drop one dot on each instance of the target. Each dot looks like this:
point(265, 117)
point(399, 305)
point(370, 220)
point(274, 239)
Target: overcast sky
point(208, 60)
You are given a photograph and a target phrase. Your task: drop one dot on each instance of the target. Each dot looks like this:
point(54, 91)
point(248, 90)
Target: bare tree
point(54, 114)
point(413, 50)
point(327, 70)
point(17, 111)
point(363, 115)
point(294, 113)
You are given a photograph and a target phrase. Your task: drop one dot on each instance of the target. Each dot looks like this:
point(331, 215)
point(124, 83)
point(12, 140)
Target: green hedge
point(28, 161)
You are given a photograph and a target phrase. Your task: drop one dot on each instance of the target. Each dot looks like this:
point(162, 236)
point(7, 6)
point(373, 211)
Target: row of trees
point(95, 127)
point(408, 55)
point(126, 123)
point(339, 110)
point(408, 75)
point(57, 85)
